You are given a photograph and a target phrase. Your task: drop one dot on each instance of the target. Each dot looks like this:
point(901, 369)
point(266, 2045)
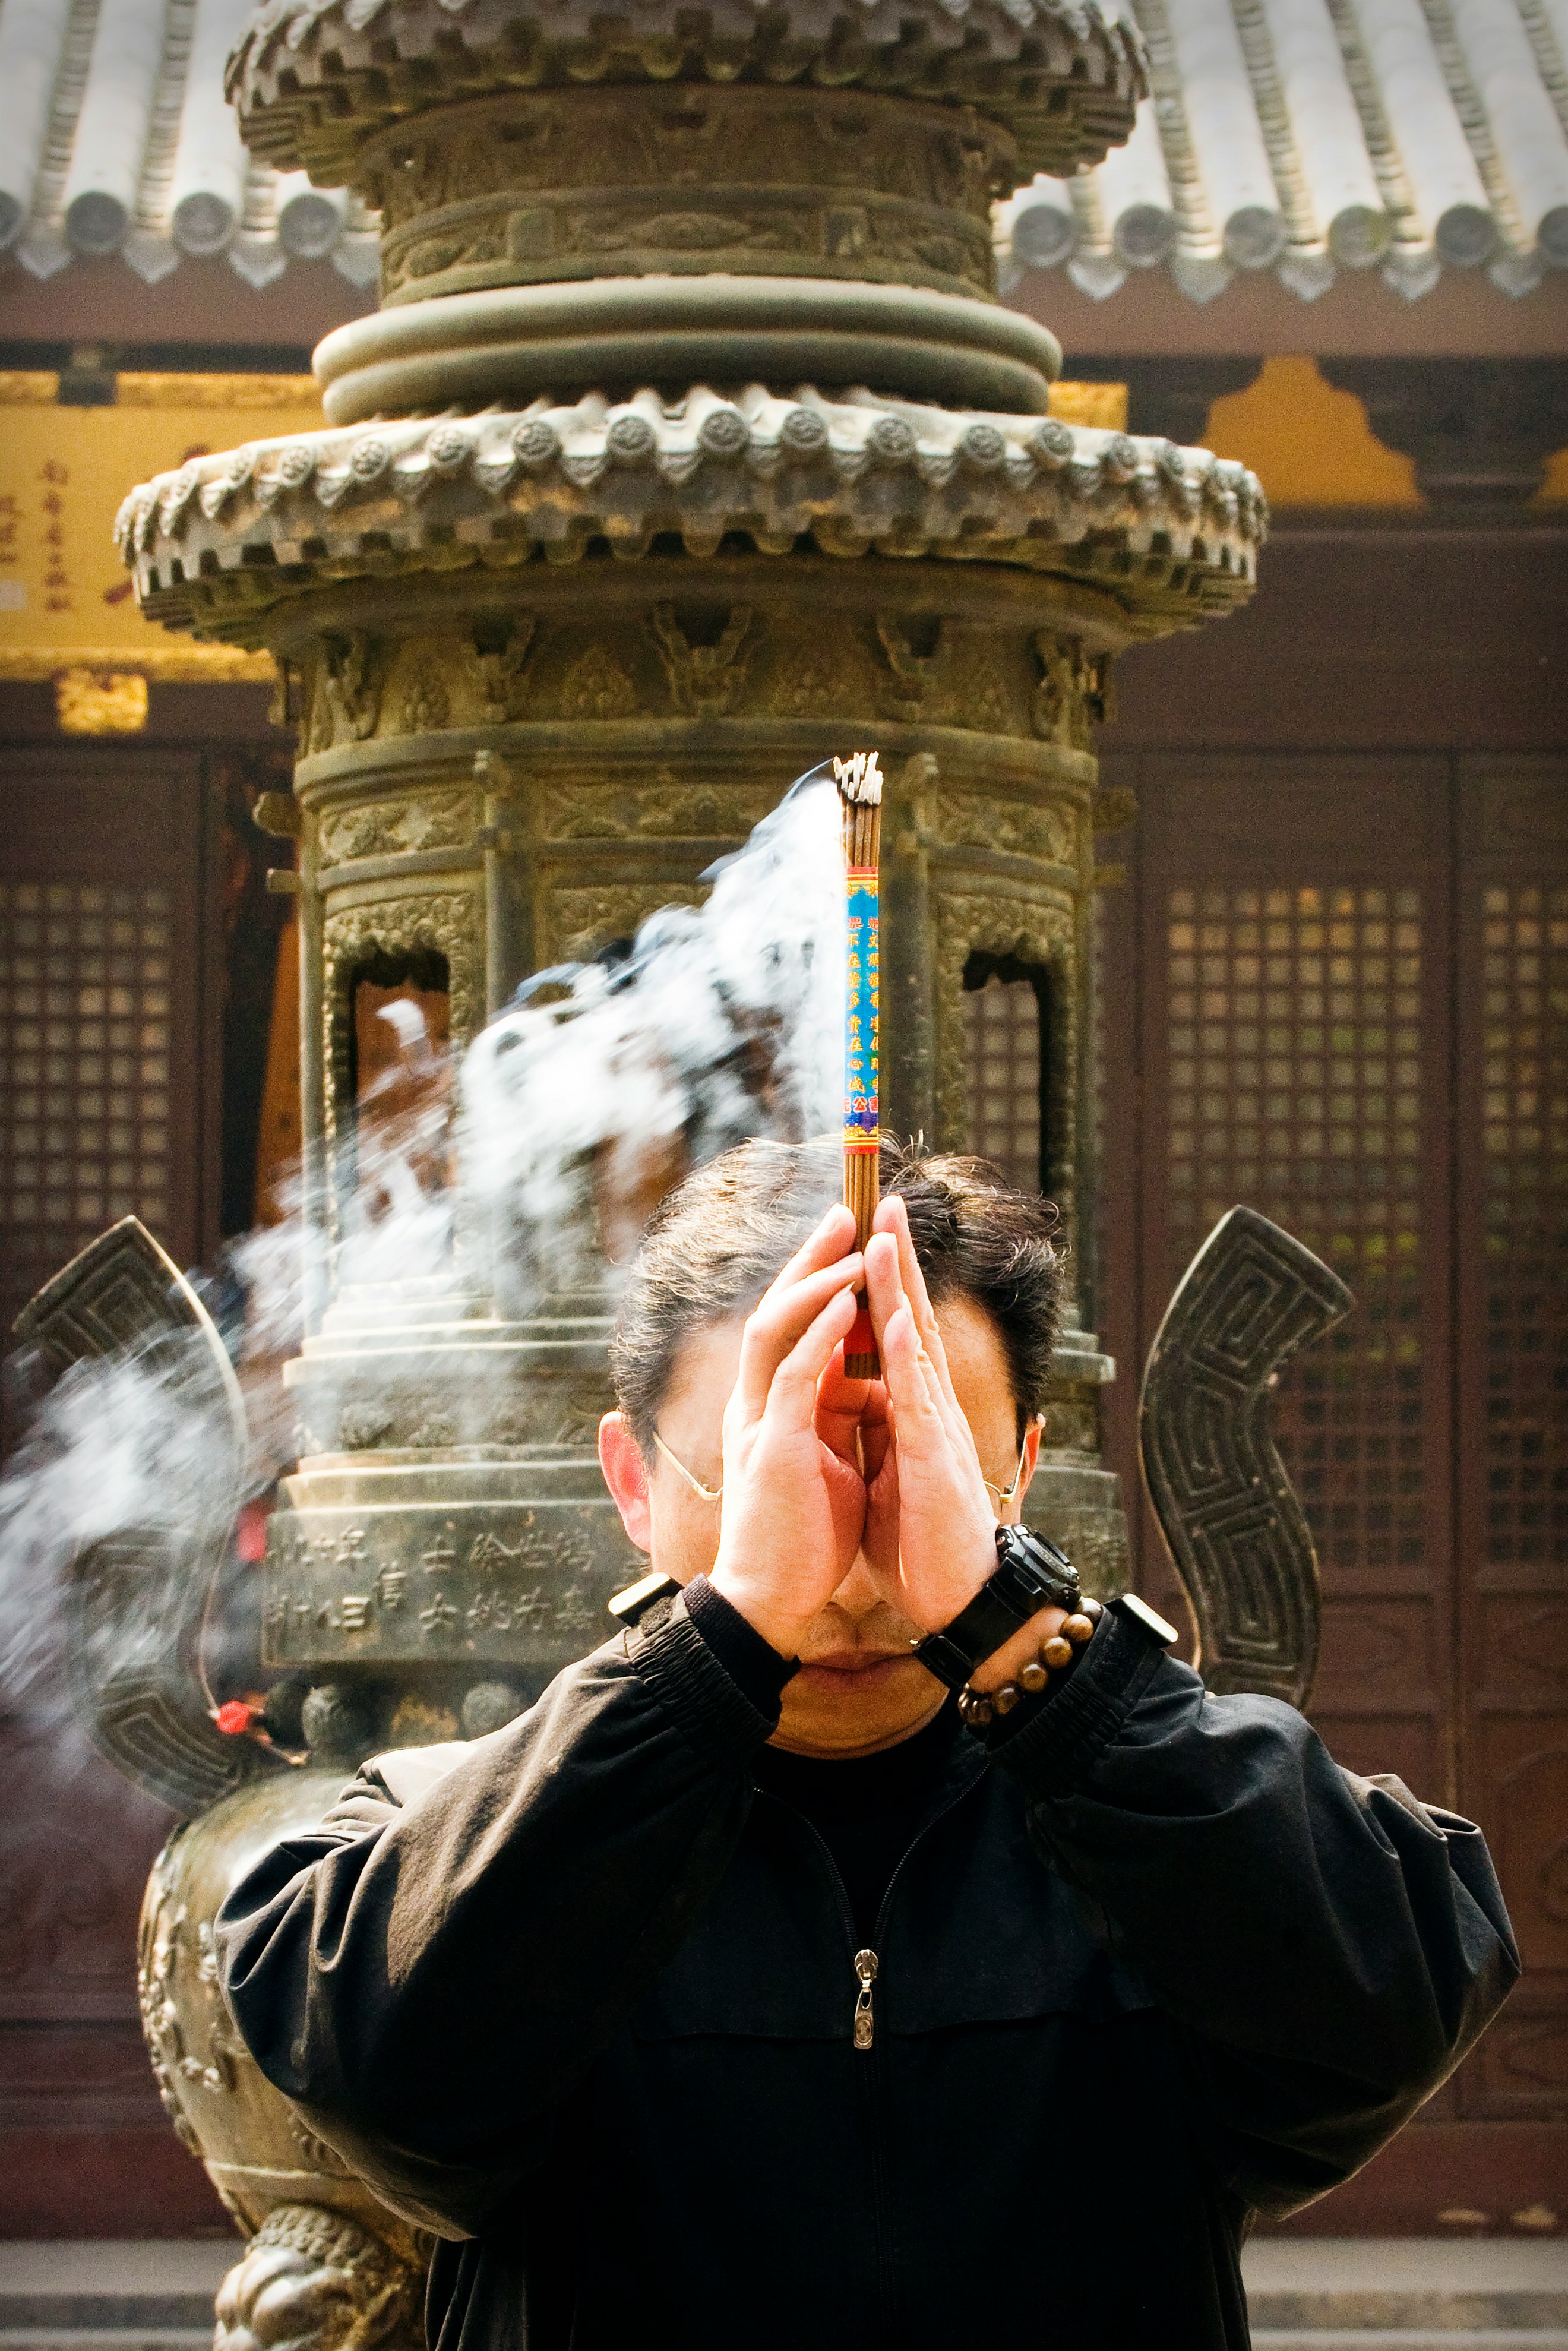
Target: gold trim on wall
point(40, 388)
point(1103, 405)
point(164, 666)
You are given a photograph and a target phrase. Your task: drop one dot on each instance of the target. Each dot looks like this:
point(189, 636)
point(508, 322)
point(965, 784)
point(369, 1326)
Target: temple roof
point(1313, 136)
point(1304, 137)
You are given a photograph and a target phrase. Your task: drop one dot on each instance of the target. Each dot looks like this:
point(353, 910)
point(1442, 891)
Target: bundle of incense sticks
point(859, 779)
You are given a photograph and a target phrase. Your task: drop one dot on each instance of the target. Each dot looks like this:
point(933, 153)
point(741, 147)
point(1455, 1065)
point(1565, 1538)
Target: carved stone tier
point(311, 82)
point(1170, 534)
point(446, 1544)
point(613, 336)
point(577, 184)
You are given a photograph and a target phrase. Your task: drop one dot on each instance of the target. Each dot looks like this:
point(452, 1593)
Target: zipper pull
point(865, 2017)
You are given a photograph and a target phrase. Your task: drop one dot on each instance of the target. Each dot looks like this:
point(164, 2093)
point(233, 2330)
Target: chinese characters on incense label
point(861, 1009)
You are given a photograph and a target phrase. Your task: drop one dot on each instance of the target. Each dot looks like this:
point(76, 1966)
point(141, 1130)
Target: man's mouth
point(859, 1667)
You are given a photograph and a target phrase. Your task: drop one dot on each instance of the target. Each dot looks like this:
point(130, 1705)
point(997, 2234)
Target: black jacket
point(579, 2000)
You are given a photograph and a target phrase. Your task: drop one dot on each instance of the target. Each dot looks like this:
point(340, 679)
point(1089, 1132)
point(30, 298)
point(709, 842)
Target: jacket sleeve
point(429, 1972)
point(1328, 1948)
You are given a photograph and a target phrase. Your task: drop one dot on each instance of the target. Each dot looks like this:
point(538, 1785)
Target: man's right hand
point(794, 1500)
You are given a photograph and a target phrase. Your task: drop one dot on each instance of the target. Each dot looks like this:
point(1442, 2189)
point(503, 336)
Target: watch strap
point(1030, 1575)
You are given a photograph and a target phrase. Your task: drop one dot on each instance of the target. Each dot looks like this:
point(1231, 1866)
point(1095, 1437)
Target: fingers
point(785, 1313)
point(792, 1394)
point(832, 1240)
point(840, 1406)
point(926, 1412)
point(912, 1388)
point(893, 1219)
point(876, 1431)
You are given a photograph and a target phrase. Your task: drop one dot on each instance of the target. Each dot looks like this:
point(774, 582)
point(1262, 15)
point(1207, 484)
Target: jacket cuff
point(1050, 1743)
point(737, 1644)
point(707, 1703)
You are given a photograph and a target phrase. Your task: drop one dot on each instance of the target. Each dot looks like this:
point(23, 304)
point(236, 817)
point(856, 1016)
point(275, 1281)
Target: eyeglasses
point(713, 1493)
point(706, 1493)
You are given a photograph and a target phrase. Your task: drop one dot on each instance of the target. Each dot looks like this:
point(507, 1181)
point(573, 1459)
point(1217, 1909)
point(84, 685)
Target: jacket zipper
point(865, 2014)
point(867, 1966)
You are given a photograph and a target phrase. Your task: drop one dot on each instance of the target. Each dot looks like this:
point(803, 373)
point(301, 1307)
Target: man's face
point(859, 1688)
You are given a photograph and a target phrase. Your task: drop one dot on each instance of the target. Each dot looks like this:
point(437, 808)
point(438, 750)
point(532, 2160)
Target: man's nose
point(858, 1599)
point(857, 1595)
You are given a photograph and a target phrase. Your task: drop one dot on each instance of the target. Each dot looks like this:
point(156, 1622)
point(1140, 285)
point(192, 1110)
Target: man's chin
point(854, 1707)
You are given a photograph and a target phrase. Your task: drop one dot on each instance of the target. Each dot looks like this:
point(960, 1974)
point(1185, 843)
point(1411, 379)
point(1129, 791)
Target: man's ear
point(626, 1475)
point(1029, 1451)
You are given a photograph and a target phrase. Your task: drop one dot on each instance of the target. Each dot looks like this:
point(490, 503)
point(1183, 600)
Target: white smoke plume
point(608, 1080)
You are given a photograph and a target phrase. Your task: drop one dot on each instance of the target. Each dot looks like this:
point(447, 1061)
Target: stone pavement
point(1307, 2294)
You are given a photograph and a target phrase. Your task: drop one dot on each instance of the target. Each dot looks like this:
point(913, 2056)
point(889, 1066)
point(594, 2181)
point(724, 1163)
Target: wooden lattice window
point(1002, 1067)
point(1524, 1142)
point(85, 1044)
point(1295, 1086)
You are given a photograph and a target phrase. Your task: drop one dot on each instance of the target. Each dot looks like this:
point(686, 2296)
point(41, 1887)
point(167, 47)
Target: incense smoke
point(608, 1081)
point(563, 1124)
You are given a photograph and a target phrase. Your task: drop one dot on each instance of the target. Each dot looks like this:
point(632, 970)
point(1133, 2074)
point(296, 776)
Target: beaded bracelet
point(1054, 1662)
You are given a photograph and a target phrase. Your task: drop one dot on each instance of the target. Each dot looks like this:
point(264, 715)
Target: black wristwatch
point(1031, 1575)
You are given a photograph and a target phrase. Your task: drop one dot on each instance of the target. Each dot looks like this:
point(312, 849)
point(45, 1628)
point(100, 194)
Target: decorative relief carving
point(918, 688)
point(649, 143)
point(1073, 694)
point(423, 703)
point(704, 679)
point(395, 828)
point(985, 705)
point(952, 674)
point(544, 1409)
point(1046, 830)
point(582, 921)
point(177, 1980)
point(664, 811)
point(775, 179)
point(596, 686)
point(315, 2281)
point(345, 690)
point(1251, 1297)
point(818, 680)
point(551, 1412)
point(501, 668)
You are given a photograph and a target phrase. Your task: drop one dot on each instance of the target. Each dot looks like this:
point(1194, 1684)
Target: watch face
point(1046, 1570)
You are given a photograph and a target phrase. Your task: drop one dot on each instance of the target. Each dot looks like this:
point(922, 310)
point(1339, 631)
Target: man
point(727, 2000)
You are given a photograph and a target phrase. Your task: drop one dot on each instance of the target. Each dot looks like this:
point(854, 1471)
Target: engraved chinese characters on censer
point(688, 325)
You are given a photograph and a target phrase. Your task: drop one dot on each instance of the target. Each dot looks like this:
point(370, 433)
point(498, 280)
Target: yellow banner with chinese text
point(66, 600)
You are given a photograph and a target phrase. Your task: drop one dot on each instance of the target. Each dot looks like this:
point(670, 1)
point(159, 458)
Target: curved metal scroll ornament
point(1230, 1517)
point(138, 1597)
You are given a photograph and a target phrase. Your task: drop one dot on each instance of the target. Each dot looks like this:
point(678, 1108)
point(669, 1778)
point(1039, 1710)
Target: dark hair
point(717, 1240)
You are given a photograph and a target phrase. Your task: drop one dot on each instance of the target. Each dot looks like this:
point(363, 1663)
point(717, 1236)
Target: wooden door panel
point(1351, 1010)
point(1512, 1405)
point(109, 1008)
point(1296, 1054)
point(105, 1082)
